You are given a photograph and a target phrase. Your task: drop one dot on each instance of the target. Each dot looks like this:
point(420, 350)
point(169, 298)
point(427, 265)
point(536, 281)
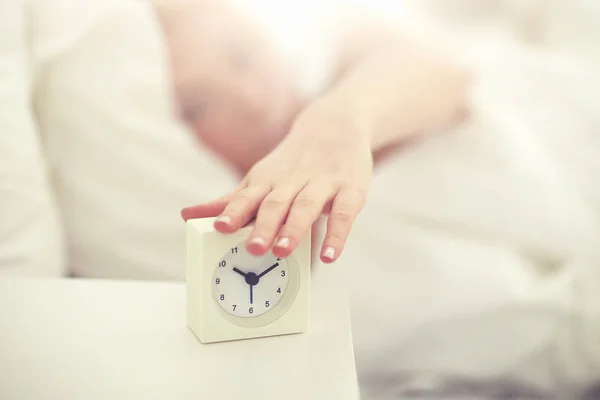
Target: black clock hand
point(266, 271)
point(239, 272)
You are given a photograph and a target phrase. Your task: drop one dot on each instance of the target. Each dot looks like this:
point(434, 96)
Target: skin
point(301, 157)
point(231, 85)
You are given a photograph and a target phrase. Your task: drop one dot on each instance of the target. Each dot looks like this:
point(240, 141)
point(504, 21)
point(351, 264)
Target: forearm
point(397, 87)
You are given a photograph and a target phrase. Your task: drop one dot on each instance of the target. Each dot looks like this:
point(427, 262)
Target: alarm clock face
point(248, 286)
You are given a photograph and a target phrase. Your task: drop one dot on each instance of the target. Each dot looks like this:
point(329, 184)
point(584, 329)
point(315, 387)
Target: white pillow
point(123, 165)
point(31, 237)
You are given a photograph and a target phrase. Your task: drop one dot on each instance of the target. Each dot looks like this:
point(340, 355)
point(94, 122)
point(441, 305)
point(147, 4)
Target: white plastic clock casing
point(206, 319)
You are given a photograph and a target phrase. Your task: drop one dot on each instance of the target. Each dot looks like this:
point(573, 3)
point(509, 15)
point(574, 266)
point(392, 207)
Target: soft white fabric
point(475, 264)
point(122, 165)
point(31, 237)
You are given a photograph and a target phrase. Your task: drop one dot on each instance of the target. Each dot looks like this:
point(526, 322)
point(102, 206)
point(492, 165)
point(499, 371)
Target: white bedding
point(31, 233)
point(122, 165)
point(475, 264)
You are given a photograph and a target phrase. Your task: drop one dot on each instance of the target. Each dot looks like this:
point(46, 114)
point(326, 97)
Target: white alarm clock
point(233, 295)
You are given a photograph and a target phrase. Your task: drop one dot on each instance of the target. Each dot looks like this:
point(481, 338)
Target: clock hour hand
point(239, 272)
point(266, 271)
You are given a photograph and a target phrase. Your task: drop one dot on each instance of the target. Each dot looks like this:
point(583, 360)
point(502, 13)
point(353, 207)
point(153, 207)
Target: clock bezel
point(277, 311)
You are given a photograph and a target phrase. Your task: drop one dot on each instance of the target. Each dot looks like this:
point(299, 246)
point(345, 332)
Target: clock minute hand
point(266, 271)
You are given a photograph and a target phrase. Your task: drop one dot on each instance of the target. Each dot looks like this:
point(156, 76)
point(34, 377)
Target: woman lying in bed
point(475, 242)
point(472, 265)
point(360, 86)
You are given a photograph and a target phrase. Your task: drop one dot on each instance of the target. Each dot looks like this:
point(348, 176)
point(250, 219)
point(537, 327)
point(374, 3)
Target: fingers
point(270, 216)
point(346, 206)
point(284, 215)
point(241, 209)
point(304, 211)
point(234, 210)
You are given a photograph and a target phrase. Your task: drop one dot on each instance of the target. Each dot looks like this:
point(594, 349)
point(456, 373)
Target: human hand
point(324, 165)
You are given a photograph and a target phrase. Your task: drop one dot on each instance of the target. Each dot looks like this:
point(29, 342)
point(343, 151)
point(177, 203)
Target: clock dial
point(247, 286)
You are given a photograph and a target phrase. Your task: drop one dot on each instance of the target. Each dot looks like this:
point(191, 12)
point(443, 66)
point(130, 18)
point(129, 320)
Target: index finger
point(212, 208)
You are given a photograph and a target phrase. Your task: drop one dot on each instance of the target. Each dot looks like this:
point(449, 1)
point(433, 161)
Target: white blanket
point(475, 264)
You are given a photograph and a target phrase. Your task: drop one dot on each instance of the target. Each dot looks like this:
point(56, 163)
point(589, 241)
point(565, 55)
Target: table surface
point(92, 339)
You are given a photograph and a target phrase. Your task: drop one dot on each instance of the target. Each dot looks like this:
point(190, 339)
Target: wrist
point(336, 119)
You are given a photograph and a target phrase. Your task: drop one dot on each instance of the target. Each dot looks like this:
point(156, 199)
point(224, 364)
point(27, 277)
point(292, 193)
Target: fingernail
point(257, 241)
point(329, 252)
point(183, 214)
point(225, 219)
point(282, 243)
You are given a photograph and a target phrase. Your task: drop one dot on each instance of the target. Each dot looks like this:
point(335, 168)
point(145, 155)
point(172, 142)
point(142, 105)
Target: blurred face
point(232, 85)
